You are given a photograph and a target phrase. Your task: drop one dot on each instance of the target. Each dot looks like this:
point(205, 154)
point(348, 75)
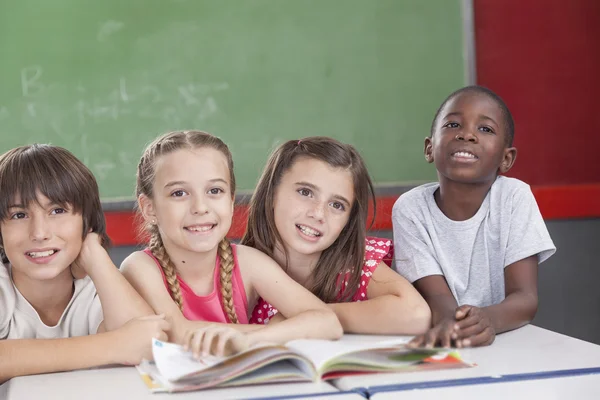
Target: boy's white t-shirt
point(19, 320)
point(470, 254)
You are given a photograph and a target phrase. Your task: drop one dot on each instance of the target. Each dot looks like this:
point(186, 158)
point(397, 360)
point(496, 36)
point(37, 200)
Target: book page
point(322, 352)
point(173, 362)
point(176, 365)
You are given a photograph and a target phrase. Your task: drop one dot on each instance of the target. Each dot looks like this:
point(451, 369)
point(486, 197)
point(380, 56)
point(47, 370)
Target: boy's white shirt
point(19, 320)
point(471, 254)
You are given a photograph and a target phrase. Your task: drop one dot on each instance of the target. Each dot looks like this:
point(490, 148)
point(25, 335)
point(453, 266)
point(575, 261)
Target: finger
point(462, 311)
point(209, 340)
point(431, 338)
point(196, 342)
point(467, 322)
point(478, 340)
point(164, 325)
point(417, 341)
point(472, 330)
point(162, 336)
point(223, 340)
point(186, 342)
point(445, 336)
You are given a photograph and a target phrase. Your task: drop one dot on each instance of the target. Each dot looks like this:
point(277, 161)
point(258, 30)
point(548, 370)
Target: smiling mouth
point(308, 231)
point(40, 254)
point(465, 155)
point(200, 228)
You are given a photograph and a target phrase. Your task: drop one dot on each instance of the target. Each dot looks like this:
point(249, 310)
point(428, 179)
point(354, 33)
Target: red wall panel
point(543, 58)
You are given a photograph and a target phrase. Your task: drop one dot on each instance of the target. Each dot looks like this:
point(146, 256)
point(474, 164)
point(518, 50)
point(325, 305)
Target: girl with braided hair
point(185, 190)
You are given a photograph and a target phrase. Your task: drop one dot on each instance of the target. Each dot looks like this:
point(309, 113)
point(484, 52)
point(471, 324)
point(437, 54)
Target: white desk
point(526, 350)
point(125, 383)
point(574, 387)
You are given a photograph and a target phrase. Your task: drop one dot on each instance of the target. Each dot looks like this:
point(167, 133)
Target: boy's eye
point(216, 191)
point(18, 215)
point(337, 205)
point(451, 125)
point(178, 193)
point(58, 210)
point(486, 129)
point(304, 192)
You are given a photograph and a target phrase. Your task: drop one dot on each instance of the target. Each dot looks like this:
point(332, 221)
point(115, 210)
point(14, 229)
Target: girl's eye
point(216, 191)
point(58, 210)
point(452, 125)
point(304, 192)
point(337, 205)
point(486, 129)
point(178, 193)
point(18, 215)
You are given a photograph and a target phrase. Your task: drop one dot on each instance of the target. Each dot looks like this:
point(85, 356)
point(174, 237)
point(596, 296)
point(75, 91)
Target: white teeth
point(203, 228)
point(464, 154)
point(37, 254)
point(308, 231)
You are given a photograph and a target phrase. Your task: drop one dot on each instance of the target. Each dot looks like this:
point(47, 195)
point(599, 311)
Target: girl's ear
point(146, 206)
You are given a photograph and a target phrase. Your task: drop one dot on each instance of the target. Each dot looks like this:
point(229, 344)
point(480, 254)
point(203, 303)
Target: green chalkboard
point(103, 78)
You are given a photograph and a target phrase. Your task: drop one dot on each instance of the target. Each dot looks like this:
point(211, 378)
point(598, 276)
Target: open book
point(298, 361)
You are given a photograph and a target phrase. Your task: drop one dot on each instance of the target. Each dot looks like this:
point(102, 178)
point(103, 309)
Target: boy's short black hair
point(508, 118)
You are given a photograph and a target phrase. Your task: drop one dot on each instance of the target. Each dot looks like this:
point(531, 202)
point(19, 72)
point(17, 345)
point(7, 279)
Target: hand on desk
point(215, 340)
point(134, 339)
point(474, 327)
point(470, 327)
point(439, 335)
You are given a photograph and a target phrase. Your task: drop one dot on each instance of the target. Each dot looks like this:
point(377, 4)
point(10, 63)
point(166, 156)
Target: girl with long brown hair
point(309, 213)
point(185, 190)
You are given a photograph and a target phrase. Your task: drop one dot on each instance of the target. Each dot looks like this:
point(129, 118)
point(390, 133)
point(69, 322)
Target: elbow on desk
point(421, 319)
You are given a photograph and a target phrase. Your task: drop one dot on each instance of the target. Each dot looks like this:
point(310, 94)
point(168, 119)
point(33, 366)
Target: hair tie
point(299, 142)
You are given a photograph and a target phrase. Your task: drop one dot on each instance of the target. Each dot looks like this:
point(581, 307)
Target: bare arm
point(521, 301)
point(306, 315)
point(120, 302)
point(38, 356)
point(126, 345)
point(394, 307)
point(437, 294)
point(143, 274)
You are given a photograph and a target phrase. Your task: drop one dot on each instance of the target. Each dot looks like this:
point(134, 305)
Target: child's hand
point(91, 252)
point(134, 339)
point(77, 272)
point(439, 335)
point(474, 327)
point(215, 340)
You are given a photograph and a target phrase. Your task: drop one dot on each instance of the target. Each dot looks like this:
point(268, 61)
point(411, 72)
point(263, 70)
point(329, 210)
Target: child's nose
point(39, 229)
point(467, 135)
point(318, 211)
point(199, 207)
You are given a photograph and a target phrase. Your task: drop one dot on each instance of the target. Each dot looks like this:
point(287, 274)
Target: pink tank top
point(210, 307)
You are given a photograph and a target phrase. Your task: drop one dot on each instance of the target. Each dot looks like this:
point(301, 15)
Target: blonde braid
point(226, 272)
point(158, 249)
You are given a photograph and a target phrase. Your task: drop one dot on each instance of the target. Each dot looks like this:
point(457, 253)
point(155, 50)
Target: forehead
point(328, 179)
point(474, 104)
point(191, 165)
point(40, 200)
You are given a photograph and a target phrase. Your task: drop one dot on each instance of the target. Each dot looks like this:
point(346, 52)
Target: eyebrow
point(315, 188)
point(48, 204)
point(459, 114)
point(177, 183)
